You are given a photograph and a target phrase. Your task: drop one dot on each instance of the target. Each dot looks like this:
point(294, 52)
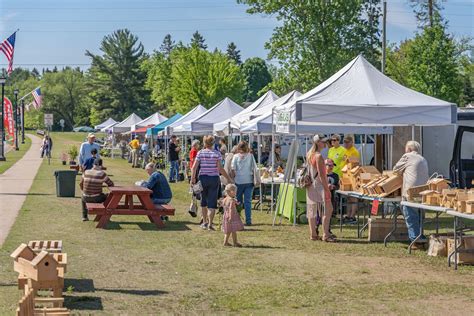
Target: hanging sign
point(375, 207)
point(282, 121)
point(48, 120)
point(9, 122)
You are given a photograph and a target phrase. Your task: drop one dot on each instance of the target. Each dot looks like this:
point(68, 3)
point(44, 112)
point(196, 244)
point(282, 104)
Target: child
point(231, 222)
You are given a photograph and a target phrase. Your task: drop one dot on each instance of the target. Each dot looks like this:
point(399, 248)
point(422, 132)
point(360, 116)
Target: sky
point(58, 32)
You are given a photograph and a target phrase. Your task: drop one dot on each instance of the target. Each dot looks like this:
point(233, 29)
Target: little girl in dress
point(231, 221)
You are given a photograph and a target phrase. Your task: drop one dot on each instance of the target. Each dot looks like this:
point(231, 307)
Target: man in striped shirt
point(91, 186)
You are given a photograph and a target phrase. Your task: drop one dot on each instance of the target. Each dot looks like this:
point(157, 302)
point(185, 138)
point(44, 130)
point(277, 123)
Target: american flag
point(8, 47)
point(37, 96)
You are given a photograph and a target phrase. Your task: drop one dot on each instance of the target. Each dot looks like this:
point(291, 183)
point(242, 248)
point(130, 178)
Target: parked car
point(462, 164)
point(83, 129)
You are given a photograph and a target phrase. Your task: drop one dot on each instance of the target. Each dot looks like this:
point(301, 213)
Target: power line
point(125, 8)
point(147, 20)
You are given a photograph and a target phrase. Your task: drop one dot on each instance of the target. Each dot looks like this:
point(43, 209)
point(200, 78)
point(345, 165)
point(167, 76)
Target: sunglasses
point(334, 140)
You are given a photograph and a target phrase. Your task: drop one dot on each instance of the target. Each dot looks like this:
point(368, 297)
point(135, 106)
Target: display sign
point(9, 121)
point(375, 207)
point(48, 120)
point(282, 121)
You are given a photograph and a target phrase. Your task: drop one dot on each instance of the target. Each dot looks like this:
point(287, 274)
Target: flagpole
point(29, 93)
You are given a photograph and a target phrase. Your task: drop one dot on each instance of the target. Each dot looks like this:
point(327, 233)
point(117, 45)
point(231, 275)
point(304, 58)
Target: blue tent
point(160, 127)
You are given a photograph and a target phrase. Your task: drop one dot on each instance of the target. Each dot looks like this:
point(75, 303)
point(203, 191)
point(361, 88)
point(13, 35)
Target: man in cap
point(85, 152)
point(135, 145)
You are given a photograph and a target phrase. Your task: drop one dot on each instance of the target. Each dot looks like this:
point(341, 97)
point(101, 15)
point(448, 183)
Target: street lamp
point(22, 121)
point(15, 92)
point(2, 128)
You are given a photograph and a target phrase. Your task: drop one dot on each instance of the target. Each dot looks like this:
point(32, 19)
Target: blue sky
point(55, 32)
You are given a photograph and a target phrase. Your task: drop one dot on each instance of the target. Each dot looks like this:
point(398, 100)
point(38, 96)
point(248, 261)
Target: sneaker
point(85, 219)
point(203, 226)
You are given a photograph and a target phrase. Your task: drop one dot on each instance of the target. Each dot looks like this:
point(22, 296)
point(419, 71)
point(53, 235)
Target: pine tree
point(198, 41)
point(167, 45)
point(233, 53)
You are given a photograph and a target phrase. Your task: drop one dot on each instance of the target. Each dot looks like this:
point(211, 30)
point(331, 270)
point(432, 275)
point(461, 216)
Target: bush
point(73, 152)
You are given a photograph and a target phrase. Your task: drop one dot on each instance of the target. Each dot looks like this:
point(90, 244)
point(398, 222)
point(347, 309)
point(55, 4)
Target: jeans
point(210, 191)
point(412, 219)
point(161, 201)
point(174, 169)
point(91, 199)
point(244, 196)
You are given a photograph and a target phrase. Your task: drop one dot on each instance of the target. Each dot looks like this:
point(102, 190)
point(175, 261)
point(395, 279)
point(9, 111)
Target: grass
point(14, 155)
point(134, 269)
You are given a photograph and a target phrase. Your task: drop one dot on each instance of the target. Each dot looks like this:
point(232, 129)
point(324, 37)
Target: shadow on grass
point(83, 302)
point(9, 284)
point(27, 194)
point(169, 226)
point(135, 292)
point(260, 247)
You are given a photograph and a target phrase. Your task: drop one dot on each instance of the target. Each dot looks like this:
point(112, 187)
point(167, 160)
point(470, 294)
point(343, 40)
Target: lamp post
point(2, 128)
point(22, 121)
point(15, 92)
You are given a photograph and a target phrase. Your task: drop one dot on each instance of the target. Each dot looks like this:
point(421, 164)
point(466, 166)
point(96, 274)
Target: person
point(173, 157)
point(208, 161)
point(86, 149)
point(231, 222)
point(243, 166)
point(351, 152)
point(333, 180)
point(336, 153)
point(228, 164)
point(277, 156)
point(91, 185)
point(45, 149)
point(123, 148)
point(193, 152)
point(222, 147)
point(145, 152)
point(158, 184)
point(135, 146)
point(89, 163)
point(413, 167)
point(318, 194)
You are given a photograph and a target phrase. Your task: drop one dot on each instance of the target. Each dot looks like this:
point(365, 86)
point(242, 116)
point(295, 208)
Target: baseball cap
point(319, 138)
point(348, 139)
point(91, 135)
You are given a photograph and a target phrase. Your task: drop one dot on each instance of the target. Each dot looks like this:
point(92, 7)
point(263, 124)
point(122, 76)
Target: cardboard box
point(379, 228)
point(467, 244)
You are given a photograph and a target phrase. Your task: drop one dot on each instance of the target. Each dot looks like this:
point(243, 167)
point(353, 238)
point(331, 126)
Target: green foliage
point(73, 152)
point(198, 41)
point(158, 81)
point(117, 81)
point(429, 63)
point(233, 53)
point(317, 38)
point(256, 75)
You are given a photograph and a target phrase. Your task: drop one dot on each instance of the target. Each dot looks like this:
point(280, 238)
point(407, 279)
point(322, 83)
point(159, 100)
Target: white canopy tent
point(108, 128)
point(154, 119)
point(361, 94)
point(126, 125)
point(223, 126)
point(106, 123)
point(191, 115)
point(204, 123)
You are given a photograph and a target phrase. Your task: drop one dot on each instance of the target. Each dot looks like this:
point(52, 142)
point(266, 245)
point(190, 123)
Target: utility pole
point(379, 139)
point(384, 35)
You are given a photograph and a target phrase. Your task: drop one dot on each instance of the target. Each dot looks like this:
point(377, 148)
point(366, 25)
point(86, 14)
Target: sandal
point(329, 239)
point(315, 238)
point(227, 244)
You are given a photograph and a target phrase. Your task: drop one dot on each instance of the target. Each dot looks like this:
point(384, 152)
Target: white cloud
point(4, 19)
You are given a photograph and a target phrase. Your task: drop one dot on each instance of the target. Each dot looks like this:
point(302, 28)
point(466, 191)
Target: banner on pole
point(9, 122)
point(282, 121)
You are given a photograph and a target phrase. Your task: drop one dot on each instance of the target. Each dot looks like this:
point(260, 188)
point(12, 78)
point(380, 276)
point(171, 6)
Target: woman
point(318, 194)
point(193, 152)
point(277, 156)
point(222, 147)
point(228, 164)
point(243, 166)
point(209, 163)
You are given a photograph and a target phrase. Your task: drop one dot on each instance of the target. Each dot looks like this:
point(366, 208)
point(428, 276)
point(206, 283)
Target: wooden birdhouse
point(346, 184)
point(23, 251)
point(430, 197)
point(352, 162)
point(470, 206)
point(414, 192)
point(462, 197)
point(390, 185)
point(438, 184)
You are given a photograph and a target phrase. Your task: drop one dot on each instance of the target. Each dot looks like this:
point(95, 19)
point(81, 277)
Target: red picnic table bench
point(113, 205)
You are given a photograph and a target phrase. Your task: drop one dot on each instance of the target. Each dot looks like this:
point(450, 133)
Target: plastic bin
point(65, 183)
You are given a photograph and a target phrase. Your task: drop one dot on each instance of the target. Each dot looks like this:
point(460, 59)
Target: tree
point(256, 75)
point(427, 12)
point(429, 63)
point(198, 41)
point(202, 77)
point(317, 38)
point(117, 81)
point(158, 70)
point(167, 45)
point(233, 53)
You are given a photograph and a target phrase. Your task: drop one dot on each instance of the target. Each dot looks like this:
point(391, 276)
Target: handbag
point(197, 188)
point(305, 178)
point(193, 208)
point(256, 174)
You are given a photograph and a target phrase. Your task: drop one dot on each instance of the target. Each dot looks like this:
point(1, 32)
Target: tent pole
point(295, 168)
point(259, 158)
point(272, 168)
point(391, 152)
point(413, 132)
point(421, 139)
point(113, 144)
point(363, 151)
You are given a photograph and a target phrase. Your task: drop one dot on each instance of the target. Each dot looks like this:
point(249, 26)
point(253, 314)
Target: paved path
point(15, 184)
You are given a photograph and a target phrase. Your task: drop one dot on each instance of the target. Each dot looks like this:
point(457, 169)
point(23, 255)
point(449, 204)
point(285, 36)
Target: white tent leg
point(259, 157)
point(295, 166)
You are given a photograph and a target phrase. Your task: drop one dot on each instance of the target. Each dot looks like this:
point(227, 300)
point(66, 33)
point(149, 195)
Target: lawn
point(134, 269)
point(13, 155)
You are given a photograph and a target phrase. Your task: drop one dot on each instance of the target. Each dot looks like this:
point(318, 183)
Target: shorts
point(210, 191)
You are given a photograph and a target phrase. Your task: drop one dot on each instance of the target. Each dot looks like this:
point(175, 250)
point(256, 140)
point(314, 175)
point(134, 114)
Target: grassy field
point(134, 269)
point(13, 156)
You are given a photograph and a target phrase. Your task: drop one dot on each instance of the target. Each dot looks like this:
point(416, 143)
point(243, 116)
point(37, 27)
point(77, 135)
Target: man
point(158, 184)
point(91, 186)
point(89, 163)
point(135, 146)
point(86, 149)
point(144, 149)
point(336, 153)
point(351, 152)
point(173, 157)
point(414, 169)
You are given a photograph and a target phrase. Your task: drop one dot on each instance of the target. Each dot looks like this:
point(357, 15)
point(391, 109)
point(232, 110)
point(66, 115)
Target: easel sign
point(375, 207)
point(282, 121)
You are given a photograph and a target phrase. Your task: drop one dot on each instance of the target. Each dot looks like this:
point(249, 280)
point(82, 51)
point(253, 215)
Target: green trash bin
point(65, 183)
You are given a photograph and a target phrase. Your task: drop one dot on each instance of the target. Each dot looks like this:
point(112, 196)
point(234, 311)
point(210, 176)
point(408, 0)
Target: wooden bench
point(27, 305)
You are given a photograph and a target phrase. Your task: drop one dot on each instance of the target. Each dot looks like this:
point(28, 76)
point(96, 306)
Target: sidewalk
point(15, 184)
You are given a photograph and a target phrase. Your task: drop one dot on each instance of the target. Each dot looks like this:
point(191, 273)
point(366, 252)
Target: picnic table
point(120, 201)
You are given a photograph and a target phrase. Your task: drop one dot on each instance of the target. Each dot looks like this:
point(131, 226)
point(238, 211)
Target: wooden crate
point(430, 197)
point(391, 184)
point(414, 192)
point(467, 244)
point(379, 228)
point(46, 245)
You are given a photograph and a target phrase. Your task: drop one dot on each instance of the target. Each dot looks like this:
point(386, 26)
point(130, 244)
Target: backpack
point(305, 178)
